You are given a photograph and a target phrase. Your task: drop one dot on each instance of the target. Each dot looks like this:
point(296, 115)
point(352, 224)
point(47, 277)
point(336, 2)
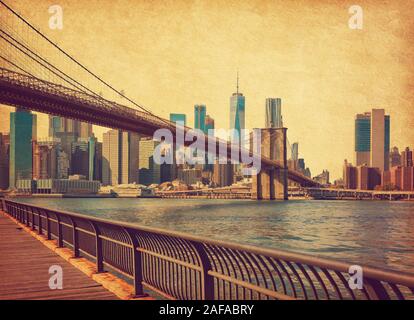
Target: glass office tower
point(23, 126)
point(200, 117)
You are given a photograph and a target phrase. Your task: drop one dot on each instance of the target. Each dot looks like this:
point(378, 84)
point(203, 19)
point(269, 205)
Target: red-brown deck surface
point(24, 270)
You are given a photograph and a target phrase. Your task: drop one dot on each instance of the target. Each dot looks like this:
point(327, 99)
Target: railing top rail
point(404, 278)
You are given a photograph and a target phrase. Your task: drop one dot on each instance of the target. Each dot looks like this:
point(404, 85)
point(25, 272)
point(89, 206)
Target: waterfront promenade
point(187, 267)
point(24, 269)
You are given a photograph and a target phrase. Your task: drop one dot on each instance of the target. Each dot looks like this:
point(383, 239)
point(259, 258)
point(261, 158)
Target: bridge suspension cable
point(80, 64)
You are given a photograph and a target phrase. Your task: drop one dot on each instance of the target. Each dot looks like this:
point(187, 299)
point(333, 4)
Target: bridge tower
point(271, 182)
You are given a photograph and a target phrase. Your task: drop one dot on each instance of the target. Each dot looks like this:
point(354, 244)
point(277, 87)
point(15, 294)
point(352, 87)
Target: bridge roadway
point(28, 92)
point(24, 270)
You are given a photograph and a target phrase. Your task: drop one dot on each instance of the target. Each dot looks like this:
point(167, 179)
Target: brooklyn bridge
point(36, 74)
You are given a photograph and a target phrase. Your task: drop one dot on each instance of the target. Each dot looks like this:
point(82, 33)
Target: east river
point(377, 233)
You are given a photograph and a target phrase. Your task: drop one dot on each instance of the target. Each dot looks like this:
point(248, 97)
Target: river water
point(376, 233)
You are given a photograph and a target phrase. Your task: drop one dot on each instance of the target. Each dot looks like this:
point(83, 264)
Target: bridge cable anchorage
point(80, 64)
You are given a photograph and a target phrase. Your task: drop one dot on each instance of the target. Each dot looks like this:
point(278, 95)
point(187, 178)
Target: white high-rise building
point(379, 156)
point(120, 156)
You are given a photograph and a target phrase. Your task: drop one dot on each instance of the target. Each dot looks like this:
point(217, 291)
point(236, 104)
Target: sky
point(170, 55)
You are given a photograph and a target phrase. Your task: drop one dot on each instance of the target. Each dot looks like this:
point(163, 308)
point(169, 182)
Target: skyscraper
point(59, 125)
point(380, 139)
point(362, 138)
point(274, 113)
point(23, 126)
point(4, 161)
point(62, 164)
point(372, 139)
point(44, 159)
point(295, 151)
point(71, 133)
point(85, 130)
point(395, 157)
point(120, 157)
point(149, 171)
point(95, 159)
point(178, 118)
point(79, 163)
point(350, 176)
point(237, 111)
point(130, 157)
point(223, 174)
point(209, 125)
point(407, 157)
point(200, 117)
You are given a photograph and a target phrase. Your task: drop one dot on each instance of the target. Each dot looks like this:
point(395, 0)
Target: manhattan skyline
point(324, 72)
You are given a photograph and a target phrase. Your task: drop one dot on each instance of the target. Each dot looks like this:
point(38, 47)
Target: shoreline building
point(223, 174)
point(120, 157)
point(372, 139)
point(23, 126)
point(350, 176)
point(274, 113)
point(322, 178)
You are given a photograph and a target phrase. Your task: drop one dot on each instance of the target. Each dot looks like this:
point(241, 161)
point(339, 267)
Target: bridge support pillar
point(271, 182)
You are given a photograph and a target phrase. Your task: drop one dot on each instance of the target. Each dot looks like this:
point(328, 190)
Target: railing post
point(26, 216)
point(207, 281)
point(75, 239)
point(18, 213)
point(48, 226)
point(21, 213)
point(98, 246)
point(33, 219)
point(39, 219)
point(137, 264)
point(59, 231)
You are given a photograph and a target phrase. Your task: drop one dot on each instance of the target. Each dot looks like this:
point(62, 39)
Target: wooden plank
point(24, 270)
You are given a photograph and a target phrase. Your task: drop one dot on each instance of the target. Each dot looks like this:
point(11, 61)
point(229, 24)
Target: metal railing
point(181, 266)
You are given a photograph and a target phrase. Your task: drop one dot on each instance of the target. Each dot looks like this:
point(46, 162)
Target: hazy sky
point(170, 55)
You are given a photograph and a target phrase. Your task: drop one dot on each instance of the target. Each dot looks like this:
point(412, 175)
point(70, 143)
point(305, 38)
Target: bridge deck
point(24, 270)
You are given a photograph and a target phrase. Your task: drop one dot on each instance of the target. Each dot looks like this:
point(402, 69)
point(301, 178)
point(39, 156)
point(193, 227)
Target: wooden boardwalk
point(24, 270)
